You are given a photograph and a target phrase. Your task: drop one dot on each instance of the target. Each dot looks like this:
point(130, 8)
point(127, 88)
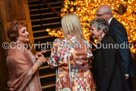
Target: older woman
point(108, 72)
point(72, 51)
point(21, 63)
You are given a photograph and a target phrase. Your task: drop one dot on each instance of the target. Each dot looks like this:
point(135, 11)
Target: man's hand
point(127, 76)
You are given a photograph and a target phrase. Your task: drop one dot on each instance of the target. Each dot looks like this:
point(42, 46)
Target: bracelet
point(39, 62)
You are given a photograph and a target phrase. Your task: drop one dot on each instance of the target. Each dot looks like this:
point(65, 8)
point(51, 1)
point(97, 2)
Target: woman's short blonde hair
point(71, 25)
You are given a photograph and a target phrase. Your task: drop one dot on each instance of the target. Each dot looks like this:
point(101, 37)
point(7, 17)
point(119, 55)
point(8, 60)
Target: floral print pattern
point(80, 57)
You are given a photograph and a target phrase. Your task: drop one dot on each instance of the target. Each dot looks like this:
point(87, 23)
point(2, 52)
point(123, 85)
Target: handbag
point(68, 89)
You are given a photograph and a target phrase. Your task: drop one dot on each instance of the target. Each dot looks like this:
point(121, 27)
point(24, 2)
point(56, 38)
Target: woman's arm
point(54, 57)
point(40, 60)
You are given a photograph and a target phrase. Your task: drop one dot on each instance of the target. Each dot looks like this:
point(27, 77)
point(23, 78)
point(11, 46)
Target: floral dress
point(79, 54)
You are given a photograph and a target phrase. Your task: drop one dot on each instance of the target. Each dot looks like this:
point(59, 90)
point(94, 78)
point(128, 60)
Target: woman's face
point(23, 35)
point(95, 33)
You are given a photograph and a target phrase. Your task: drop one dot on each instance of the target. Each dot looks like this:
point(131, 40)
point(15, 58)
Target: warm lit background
point(123, 10)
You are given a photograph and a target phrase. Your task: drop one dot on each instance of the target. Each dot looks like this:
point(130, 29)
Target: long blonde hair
point(71, 25)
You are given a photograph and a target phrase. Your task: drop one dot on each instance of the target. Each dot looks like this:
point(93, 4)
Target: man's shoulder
point(115, 23)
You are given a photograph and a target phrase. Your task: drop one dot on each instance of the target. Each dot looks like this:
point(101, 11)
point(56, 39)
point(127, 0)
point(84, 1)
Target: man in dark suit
point(119, 35)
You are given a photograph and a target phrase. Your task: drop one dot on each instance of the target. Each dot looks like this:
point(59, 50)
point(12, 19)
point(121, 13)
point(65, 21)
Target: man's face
point(102, 14)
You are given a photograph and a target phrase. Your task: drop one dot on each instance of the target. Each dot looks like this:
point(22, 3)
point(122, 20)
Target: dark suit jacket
point(108, 72)
point(119, 35)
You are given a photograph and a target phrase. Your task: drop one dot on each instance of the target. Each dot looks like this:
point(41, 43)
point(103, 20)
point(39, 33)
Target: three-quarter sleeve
point(54, 57)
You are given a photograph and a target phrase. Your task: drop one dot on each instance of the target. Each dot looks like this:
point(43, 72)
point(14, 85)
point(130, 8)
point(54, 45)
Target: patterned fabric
point(32, 57)
point(79, 54)
point(19, 64)
point(34, 60)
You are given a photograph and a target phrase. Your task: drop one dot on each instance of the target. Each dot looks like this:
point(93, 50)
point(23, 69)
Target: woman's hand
point(40, 60)
point(40, 56)
point(39, 53)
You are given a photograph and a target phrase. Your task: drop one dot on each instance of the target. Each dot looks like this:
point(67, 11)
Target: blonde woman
point(74, 48)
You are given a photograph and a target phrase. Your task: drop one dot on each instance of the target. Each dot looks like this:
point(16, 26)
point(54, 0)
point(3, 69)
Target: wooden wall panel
point(14, 9)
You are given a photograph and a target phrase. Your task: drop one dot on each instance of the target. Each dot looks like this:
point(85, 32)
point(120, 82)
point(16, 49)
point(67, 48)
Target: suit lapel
point(113, 22)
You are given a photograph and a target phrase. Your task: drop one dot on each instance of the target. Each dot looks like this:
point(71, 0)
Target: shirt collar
point(110, 20)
